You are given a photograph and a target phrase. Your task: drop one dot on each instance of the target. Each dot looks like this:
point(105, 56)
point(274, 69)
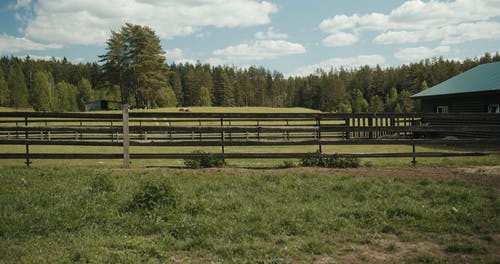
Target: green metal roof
point(483, 78)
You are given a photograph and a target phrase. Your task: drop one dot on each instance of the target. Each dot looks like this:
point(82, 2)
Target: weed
point(428, 257)
point(315, 247)
point(466, 248)
point(206, 160)
point(153, 195)
point(288, 164)
point(330, 162)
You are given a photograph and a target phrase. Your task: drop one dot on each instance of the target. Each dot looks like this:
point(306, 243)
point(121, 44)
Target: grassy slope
point(61, 214)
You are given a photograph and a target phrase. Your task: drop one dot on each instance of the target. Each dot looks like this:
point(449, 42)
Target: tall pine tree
point(18, 89)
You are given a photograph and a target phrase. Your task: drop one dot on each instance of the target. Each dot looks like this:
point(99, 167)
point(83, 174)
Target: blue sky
point(292, 36)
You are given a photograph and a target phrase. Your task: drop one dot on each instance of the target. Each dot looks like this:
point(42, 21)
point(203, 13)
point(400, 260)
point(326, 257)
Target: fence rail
point(155, 129)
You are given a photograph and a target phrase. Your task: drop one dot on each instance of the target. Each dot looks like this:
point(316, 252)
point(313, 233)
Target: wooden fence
point(155, 129)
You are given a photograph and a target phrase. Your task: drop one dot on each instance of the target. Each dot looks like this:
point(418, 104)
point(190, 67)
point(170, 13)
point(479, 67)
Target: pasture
point(61, 214)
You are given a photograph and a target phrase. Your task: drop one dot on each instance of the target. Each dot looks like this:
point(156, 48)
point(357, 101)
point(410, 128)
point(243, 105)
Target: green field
point(60, 214)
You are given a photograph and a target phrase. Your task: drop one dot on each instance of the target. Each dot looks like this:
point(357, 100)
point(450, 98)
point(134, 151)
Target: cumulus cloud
point(21, 4)
point(414, 21)
point(271, 33)
point(89, 21)
point(174, 54)
point(337, 63)
point(340, 39)
point(9, 44)
point(419, 53)
point(259, 50)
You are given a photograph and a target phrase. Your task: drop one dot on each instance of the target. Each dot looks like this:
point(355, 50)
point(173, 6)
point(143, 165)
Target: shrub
point(152, 196)
point(206, 160)
point(287, 164)
point(330, 162)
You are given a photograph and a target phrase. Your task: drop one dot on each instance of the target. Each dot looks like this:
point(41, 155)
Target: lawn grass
point(61, 214)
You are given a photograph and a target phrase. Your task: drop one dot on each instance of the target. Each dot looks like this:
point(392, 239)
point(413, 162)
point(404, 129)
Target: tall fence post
point(414, 160)
point(222, 137)
point(347, 133)
point(126, 137)
point(318, 124)
point(28, 162)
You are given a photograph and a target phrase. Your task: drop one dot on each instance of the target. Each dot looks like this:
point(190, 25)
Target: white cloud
point(174, 54)
point(21, 4)
point(271, 33)
point(9, 44)
point(415, 21)
point(337, 63)
point(259, 50)
point(89, 22)
point(419, 53)
point(451, 34)
point(340, 39)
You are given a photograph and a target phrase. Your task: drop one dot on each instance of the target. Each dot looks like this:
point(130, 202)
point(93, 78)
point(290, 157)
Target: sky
point(294, 37)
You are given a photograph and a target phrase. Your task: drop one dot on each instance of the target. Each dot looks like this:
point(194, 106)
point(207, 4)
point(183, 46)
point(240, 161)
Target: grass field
point(61, 214)
point(387, 211)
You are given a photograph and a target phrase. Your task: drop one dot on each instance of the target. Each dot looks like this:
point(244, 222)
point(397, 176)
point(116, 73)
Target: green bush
point(288, 164)
point(206, 160)
point(152, 196)
point(330, 162)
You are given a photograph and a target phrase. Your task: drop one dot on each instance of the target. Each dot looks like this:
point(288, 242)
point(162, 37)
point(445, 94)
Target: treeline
point(58, 85)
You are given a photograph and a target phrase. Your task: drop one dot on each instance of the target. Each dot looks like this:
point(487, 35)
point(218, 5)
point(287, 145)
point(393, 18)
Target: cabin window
point(442, 109)
point(494, 108)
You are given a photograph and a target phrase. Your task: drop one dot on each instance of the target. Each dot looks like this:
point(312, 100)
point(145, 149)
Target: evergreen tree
point(205, 99)
point(376, 104)
point(17, 87)
point(391, 99)
point(359, 103)
point(135, 61)
point(42, 91)
point(4, 90)
point(405, 102)
point(175, 82)
point(84, 93)
point(223, 88)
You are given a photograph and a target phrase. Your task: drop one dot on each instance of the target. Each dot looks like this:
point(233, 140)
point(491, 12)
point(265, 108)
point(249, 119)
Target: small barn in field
point(476, 91)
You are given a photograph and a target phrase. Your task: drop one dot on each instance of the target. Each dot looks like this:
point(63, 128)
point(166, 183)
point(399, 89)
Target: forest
point(59, 85)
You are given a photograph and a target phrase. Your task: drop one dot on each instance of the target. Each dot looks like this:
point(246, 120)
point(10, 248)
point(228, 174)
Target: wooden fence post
point(413, 161)
point(318, 124)
point(126, 137)
point(28, 162)
point(222, 137)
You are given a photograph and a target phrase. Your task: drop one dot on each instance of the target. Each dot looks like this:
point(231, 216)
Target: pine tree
point(135, 61)
point(4, 90)
point(391, 100)
point(359, 103)
point(17, 87)
point(42, 91)
point(84, 93)
point(376, 104)
point(205, 97)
